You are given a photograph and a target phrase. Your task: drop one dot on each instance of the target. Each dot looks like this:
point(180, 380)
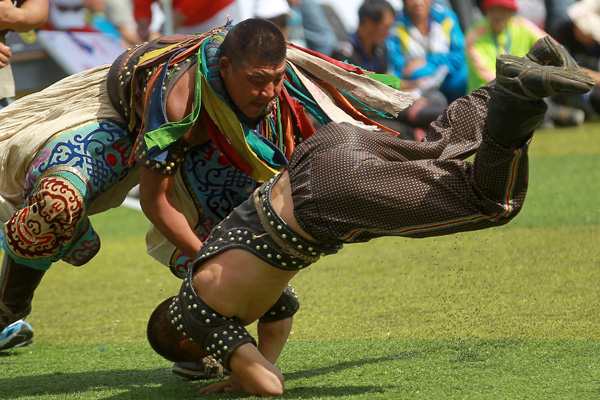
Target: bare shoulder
point(180, 100)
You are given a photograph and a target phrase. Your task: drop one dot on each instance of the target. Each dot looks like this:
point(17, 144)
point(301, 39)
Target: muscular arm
point(272, 337)
point(32, 14)
point(251, 372)
point(156, 199)
point(253, 369)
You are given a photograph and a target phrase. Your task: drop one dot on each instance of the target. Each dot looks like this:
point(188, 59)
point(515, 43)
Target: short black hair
point(373, 10)
point(162, 336)
point(254, 37)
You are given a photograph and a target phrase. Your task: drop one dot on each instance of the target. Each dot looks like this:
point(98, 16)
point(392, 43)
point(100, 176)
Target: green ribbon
point(391, 80)
point(172, 131)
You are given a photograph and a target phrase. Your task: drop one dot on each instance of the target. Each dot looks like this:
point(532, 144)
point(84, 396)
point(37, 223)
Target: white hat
point(586, 15)
point(271, 8)
point(67, 14)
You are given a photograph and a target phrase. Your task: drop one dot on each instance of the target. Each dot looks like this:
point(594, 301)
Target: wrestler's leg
point(360, 191)
point(51, 223)
point(358, 186)
point(17, 285)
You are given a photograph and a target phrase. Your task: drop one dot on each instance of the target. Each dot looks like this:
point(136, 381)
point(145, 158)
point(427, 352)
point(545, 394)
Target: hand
point(230, 385)
point(413, 65)
point(5, 54)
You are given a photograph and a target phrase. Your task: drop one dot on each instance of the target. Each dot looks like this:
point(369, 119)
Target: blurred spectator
point(79, 16)
point(310, 24)
point(120, 14)
point(366, 47)
point(556, 11)
point(532, 10)
point(189, 16)
point(499, 32)
point(502, 31)
point(22, 18)
point(466, 11)
point(427, 48)
point(580, 34)
point(96, 17)
point(67, 15)
point(276, 11)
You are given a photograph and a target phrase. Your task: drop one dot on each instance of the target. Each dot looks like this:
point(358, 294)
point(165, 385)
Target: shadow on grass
point(159, 383)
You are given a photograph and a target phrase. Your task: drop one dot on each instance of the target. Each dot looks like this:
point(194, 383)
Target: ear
point(225, 66)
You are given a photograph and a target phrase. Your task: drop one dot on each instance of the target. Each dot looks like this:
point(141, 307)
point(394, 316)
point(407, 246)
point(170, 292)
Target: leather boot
point(17, 285)
point(547, 52)
point(526, 80)
point(511, 121)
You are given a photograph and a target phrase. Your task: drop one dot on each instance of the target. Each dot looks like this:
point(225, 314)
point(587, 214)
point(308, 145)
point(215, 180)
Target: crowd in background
point(441, 49)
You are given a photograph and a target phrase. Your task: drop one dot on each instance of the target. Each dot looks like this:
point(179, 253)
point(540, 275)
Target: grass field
point(506, 313)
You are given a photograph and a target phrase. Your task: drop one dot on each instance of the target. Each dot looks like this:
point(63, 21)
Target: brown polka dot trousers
point(352, 185)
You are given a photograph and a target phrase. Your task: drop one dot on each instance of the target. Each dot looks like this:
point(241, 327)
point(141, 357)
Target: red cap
point(510, 4)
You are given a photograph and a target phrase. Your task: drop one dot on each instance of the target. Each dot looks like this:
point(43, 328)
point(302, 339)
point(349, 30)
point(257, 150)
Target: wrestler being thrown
point(346, 185)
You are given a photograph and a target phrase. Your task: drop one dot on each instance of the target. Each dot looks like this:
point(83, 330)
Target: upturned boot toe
point(529, 81)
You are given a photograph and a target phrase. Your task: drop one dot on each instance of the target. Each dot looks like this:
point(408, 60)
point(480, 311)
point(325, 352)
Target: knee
point(48, 222)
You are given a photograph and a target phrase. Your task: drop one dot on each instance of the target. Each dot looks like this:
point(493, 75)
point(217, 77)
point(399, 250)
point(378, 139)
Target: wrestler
point(206, 117)
point(347, 185)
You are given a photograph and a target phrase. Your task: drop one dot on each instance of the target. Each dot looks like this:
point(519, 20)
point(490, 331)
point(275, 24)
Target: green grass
point(506, 313)
point(348, 369)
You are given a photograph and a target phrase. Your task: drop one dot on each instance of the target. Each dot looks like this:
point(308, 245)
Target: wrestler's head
point(252, 65)
point(47, 222)
point(167, 341)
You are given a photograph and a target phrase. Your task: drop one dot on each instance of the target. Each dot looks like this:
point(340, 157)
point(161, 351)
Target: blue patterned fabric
point(92, 158)
point(216, 187)
point(97, 150)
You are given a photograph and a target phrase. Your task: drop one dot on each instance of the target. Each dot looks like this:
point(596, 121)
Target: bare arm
point(272, 337)
point(256, 373)
point(251, 372)
point(32, 14)
point(156, 199)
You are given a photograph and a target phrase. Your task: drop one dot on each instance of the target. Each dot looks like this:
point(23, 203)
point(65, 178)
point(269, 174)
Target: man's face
point(498, 17)
point(379, 31)
point(417, 9)
point(252, 85)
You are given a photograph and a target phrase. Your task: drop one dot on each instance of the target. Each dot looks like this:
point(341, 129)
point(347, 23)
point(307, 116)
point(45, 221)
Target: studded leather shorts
point(218, 335)
point(256, 227)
